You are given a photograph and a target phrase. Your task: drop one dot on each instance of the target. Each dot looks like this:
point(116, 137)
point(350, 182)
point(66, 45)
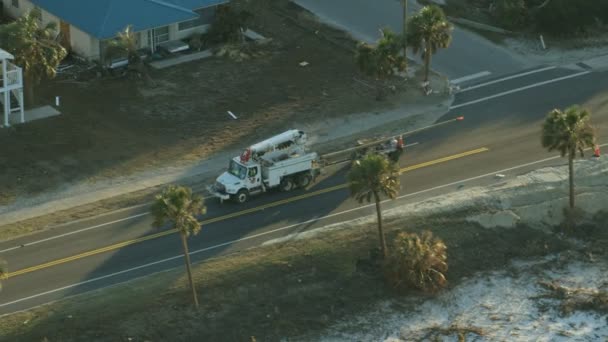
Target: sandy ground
point(508, 304)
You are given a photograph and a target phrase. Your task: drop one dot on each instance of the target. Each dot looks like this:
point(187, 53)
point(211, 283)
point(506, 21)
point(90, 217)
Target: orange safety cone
point(596, 151)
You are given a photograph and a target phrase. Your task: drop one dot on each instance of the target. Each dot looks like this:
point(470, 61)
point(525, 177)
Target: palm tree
point(179, 207)
point(36, 49)
point(429, 31)
point(368, 178)
point(126, 45)
point(382, 60)
point(568, 131)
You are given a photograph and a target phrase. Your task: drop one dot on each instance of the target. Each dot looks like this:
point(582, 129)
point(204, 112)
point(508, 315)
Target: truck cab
point(239, 181)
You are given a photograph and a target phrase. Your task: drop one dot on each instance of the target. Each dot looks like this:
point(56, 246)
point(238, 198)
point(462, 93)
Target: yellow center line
point(229, 216)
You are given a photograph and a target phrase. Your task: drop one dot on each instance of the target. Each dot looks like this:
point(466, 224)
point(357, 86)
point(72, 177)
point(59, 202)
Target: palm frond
point(177, 206)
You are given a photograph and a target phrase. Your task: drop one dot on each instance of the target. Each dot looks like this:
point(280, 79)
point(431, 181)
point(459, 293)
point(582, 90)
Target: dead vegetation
point(460, 332)
point(576, 299)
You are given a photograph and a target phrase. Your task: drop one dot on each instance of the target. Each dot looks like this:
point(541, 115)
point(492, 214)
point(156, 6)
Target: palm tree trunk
point(380, 230)
point(29, 91)
point(571, 178)
point(188, 269)
point(405, 32)
point(427, 64)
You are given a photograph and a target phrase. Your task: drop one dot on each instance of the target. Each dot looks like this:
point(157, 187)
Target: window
point(161, 34)
point(15, 3)
point(205, 16)
point(237, 170)
point(253, 172)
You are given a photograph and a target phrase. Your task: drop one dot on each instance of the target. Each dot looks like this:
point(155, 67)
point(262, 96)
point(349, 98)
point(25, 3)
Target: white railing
point(13, 77)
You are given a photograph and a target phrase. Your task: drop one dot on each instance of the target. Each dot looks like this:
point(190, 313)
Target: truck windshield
point(237, 170)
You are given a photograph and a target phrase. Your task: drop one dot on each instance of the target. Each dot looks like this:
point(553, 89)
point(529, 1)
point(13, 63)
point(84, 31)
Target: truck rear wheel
point(304, 180)
point(287, 184)
point(241, 197)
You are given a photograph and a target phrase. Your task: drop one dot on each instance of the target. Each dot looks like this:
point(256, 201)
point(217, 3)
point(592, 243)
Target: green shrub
point(568, 18)
point(226, 27)
point(196, 41)
point(511, 14)
point(417, 261)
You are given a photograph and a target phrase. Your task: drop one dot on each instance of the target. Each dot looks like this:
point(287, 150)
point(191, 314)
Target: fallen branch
point(435, 332)
point(574, 299)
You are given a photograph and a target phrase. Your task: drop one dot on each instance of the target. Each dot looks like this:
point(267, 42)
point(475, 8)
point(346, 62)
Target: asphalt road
point(364, 18)
point(499, 132)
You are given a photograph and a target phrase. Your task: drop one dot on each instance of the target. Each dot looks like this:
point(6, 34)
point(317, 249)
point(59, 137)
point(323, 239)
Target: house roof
point(103, 19)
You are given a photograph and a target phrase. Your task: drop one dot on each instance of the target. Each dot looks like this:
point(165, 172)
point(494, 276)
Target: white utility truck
point(280, 162)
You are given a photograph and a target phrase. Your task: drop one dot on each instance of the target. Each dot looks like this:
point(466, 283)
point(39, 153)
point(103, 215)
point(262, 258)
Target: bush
point(567, 17)
point(196, 41)
point(417, 261)
point(512, 14)
point(226, 27)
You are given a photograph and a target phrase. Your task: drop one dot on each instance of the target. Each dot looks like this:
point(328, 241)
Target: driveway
point(469, 54)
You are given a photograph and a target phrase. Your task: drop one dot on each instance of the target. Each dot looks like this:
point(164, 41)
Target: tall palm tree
point(177, 206)
point(428, 31)
point(126, 45)
point(36, 49)
point(371, 176)
point(568, 131)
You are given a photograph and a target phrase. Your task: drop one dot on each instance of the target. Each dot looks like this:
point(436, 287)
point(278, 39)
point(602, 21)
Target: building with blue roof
point(86, 25)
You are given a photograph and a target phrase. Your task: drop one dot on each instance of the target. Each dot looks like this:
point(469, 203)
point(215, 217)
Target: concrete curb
point(474, 24)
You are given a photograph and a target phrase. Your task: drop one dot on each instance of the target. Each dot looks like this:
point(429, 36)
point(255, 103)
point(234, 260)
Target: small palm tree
point(382, 60)
point(36, 49)
point(179, 207)
point(371, 176)
point(568, 131)
point(428, 31)
point(125, 45)
point(418, 261)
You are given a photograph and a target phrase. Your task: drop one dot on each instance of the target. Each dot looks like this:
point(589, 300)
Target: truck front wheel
point(241, 197)
point(287, 184)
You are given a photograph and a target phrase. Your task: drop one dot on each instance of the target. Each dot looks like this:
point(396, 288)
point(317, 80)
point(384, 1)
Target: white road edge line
point(520, 89)
point(506, 78)
point(470, 77)
point(99, 225)
point(268, 232)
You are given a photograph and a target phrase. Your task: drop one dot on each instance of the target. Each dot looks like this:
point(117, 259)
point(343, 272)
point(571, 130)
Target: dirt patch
point(116, 127)
point(295, 288)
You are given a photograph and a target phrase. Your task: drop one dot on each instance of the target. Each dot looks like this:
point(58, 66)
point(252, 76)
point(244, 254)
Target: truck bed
point(295, 164)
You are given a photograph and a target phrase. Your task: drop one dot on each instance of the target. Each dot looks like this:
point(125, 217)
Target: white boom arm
point(295, 136)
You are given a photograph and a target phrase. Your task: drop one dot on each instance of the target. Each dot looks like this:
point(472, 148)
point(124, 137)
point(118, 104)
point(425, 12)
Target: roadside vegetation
point(560, 18)
point(287, 289)
point(568, 132)
point(36, 50)
point(372, 176)
point(178, 207)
